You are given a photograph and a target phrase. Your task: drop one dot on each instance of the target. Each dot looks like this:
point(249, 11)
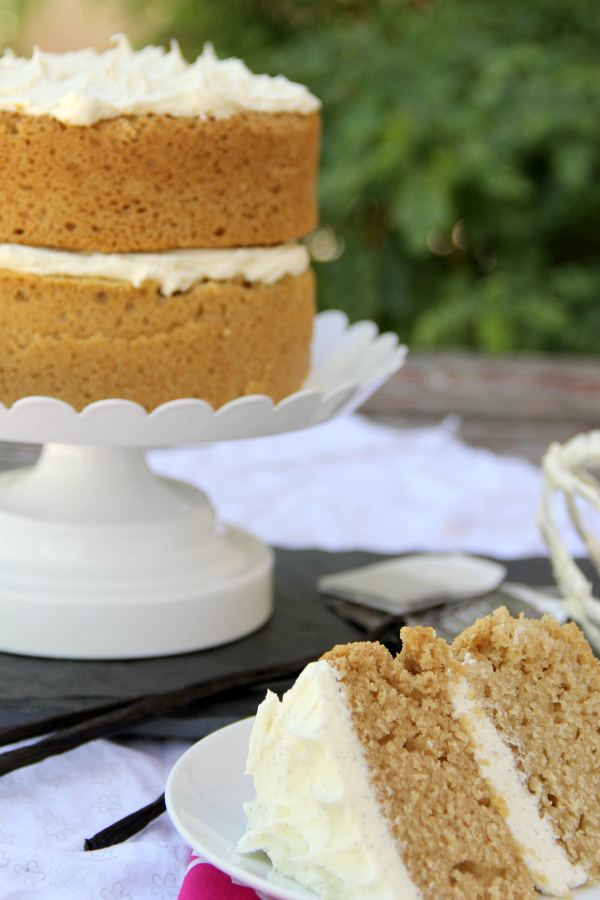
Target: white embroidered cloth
point(352, 484)
point(349, 484)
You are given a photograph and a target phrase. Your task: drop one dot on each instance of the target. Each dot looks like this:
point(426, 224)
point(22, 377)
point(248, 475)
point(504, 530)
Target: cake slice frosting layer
point(316, 814)
point(535, 837)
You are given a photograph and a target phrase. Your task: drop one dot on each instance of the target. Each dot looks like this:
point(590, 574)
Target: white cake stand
point(101, 559)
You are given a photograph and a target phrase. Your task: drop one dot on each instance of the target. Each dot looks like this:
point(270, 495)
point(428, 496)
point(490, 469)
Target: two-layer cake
point(149, 218)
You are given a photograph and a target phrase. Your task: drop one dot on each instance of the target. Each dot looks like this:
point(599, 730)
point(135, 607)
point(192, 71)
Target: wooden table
point(515, 405)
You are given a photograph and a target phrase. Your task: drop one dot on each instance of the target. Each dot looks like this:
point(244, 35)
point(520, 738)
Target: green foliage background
point(461, 155)
point(484, 113)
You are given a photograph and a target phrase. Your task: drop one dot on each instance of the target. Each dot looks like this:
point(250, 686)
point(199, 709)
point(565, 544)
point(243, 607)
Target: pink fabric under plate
point(203, 882)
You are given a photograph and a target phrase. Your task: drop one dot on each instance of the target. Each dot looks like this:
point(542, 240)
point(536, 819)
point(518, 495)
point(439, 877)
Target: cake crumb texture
point(450, 833)
point(540, 684)
point(83, 339)
point(156, 182)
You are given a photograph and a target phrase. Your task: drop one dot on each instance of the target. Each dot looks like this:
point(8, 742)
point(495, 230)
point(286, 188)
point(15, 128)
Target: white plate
point(205, 794)
point(348, 363)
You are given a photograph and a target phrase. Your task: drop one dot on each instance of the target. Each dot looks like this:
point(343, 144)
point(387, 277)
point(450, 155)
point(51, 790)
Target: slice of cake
point(148, 221)
point(469, 772)
point(539, 684)
point(368, 785)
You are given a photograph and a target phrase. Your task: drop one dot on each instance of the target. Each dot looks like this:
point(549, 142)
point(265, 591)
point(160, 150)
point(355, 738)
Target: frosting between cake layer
point(316, 814)
point(543, 856)
point(83, 86)
point(175, 270)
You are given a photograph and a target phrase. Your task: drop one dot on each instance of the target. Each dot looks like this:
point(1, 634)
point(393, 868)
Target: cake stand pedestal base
point(101, 559)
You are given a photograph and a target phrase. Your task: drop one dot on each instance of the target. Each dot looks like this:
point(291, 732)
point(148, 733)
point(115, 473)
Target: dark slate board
point(303, 625)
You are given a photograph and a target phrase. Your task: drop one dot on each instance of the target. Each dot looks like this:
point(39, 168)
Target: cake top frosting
point(81, 87)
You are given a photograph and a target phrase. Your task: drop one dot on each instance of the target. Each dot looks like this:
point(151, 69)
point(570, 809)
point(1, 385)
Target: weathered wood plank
point(552, 389)
point(514, 405)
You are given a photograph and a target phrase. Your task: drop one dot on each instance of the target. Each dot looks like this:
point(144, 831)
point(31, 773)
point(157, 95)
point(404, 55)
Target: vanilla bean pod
point(144, 709)
point(38, 727)
point(128, 826)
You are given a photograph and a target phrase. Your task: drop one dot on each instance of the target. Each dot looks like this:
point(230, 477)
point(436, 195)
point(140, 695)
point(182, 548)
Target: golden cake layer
point(156, 182)
point(86, 339)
